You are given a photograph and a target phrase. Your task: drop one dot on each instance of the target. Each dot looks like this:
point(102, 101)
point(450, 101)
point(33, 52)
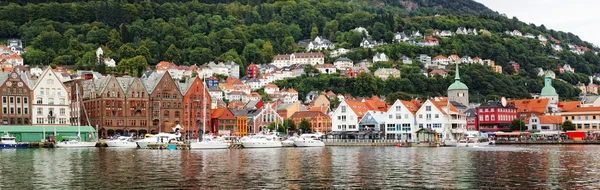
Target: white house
point(326, 68)
point(440, 60)
point(542, 38)
point(416, 34)
point(271, 89)
point(338, 52)
point(425, 59)
point(529, 35)
point(461, 30)
point(544, 122)
point(401, 121)
point(406, 60)
point(442, 117)
point(466, 59)
point(366, 43)
point(220, 68)
point(320, 43)
point(400, 37)
point(362, 30)
point(568, 68)
point(343, 63)
point(347, 115)
point(51, 100)
point(298, 58)
point(443, 33)
point(215, 93)
point(380, 57)
point(556, 47)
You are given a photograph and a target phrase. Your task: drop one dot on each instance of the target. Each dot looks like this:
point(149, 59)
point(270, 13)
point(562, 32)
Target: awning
point(547, 133)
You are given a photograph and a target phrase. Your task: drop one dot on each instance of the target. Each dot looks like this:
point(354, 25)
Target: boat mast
point(203, 105)
point(79, 113)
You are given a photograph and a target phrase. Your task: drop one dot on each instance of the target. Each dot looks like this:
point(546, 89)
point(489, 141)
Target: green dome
point(457, 85)
point(548, 91)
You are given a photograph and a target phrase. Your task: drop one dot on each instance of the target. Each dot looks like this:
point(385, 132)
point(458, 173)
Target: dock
point(365, 142)
point(581, 142)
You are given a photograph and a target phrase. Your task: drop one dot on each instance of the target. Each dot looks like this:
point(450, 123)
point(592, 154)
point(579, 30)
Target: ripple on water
point(494, 167)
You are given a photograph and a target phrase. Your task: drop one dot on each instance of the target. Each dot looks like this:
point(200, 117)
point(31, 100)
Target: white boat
point(7, 141)
point(74, 143)
point(262, 141)
point(474, 140)
point(208, 142)
point(309, 140)
point(122, 142)
point(289, 142)
point(158, 139)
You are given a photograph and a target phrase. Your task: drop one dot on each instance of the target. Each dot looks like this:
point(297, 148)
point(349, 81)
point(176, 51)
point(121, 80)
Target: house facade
point(51, 101)
point(298, 58)
point(15, 90)
point(401, 121)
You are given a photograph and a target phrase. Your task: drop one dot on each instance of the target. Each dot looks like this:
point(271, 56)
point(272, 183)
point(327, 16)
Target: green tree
point(353, 38)
point(334, 102)
point(289, 124)
point(126, 52)
point(517, 125)
point(143, 51)
point(267, 52)
point(379, 30)
point(305, 126)
point(252, 54)
point(568, 126)
point(314, 32)
point(134, 66)
point(289, 45)
point(172, 54)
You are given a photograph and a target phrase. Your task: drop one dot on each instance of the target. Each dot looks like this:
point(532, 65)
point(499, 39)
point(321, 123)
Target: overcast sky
point(579, 17)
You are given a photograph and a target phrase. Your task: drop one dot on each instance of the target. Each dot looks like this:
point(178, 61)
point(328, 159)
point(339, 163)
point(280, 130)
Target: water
point(499, 167)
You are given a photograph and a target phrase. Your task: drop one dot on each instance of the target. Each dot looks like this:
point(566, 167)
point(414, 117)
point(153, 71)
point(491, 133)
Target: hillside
point(141, 33)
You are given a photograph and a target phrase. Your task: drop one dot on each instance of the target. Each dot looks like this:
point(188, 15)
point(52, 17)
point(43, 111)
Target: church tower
point(549, 92)
point(458, 91)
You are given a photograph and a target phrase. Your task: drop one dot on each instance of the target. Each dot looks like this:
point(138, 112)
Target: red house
point(222, 121)
point(493, 116)
point(252, 71)
point(472, 120)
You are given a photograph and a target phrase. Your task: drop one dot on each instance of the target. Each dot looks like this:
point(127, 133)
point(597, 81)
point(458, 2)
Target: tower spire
point(457, 77)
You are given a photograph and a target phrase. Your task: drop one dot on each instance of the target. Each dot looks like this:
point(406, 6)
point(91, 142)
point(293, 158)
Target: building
point(543, 123)
point(165, 102)
point(343, 63)
point(493, 116)
point(401, 120)
point(472, 120)
point(405, 60)
point(244, 121)
point(252, 71)
point(320, 43)
point(372, 124)
point(196, 103)
point(585, 118)
point(319, 121)
point(338, 52)
point(345, 118)
point(16, 98)
point(366, 43)
point(51, 100)
point(442, 117)
point(298, 58)
point(458, 91)
point(550, 93)
point(440, 60)
point(223, 122)
point(380, 57)
point(385, 73)
point(425, 59)
point(401, 37)
point(327, 68)
point(267, 115)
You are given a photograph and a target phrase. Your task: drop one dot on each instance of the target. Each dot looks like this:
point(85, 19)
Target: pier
point(548, 142)
point(365, 142)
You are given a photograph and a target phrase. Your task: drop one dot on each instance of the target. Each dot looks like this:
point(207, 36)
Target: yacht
point(75, 142)
point(289, 142)
point(122, 142)
point(209, 142)
point(158, 139)
point(262, 141)
point(309, 140)
point(7, 141)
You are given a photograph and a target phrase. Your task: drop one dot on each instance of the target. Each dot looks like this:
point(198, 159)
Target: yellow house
point(286, 110)
point(584, 118)
point(321, 100)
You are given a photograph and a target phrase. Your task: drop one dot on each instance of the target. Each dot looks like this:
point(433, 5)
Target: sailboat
point(76, 142)
point(207, 141)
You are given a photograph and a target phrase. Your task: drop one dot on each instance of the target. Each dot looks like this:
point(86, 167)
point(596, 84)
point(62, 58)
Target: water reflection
point(525, 167)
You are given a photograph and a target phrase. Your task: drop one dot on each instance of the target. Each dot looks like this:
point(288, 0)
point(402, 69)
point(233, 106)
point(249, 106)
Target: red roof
point(439, 57)
point(15, 56)
point(530, 105)
point(438, 71)
point(163, 65)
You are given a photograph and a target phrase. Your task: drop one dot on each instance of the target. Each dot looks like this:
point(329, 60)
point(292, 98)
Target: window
point(62, 101)
point(50, 101)
point(390, 116)
point(398, 116)
point(41, 92)
point(437, 125)
point(12, 110)
point(391, 127)
point(18, 110)
point(420, 116)
point(18, 100)
point(25, 111)
point(4, 99)
point(62, 120)
point(428, 116)
point(429, 125)
point(437, 116)
point(39, 101)
point(4, 110)
point(406, 127)
point(398, 108)
point(343, 109)
point(420, 126)
point(51, 121)
point(493, 118)
point(62, 111)
point(40, 120)
point(58, 92)
point(12, 100)
point(39, 111)
point(427, 108)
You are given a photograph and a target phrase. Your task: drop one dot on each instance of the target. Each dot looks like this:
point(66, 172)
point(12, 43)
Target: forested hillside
point(140, 33)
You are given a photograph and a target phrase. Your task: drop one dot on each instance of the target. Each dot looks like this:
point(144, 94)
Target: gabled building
point(197, 101)
point(493, 116)
point(346, 116)
point(458, 91)
point(326, 68)
point(15, 89)
point(401, 121)
point(268, 114)
point(165, 102)
point(385, 73)
point(442, 117)
point(380, 57)
point(298, 58)
point(343, 63)
point(544, 122)
point(51, 100)
point(366, 43)
point(223, 122)
point(320, 43)
point(319, 121)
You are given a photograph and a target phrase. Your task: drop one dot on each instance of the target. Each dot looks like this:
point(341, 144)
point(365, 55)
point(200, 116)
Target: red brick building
point(222, 121)
point(193, 108)
point(166, 102)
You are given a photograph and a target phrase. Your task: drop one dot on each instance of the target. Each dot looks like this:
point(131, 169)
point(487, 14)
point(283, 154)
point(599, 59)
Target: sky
point(579, 17)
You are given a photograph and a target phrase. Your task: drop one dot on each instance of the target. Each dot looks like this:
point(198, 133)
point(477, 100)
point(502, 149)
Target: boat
point(309, 140)
point(9, 142)
point(209, 142)
point(474, 140)
point(74, 142)
point(289, 142)
point(122, 142)
point(262, 141)
point(159, 139)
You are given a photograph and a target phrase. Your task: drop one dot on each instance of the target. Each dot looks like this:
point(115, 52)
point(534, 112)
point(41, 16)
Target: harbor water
point(497, 167)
